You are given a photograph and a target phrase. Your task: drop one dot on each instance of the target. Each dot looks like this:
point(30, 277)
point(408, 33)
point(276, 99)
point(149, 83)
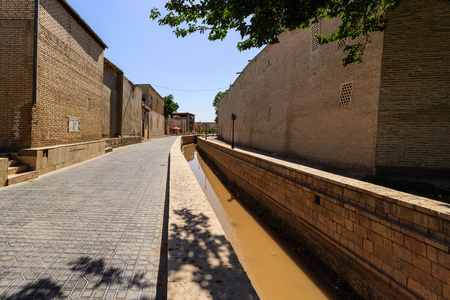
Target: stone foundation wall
point(188, 139)
point(122, 141)
point(3, 171)
point(386, 244)
point(48, 159)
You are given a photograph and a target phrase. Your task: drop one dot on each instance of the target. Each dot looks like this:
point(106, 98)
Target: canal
point(275, 271)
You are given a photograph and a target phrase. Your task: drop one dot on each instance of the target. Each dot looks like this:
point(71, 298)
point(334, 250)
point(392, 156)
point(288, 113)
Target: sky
point(192, 69)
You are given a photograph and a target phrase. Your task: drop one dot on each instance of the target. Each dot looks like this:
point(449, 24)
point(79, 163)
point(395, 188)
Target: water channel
point(274, 270)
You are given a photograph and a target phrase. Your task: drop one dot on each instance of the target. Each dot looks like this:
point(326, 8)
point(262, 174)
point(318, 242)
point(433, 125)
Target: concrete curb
point(201, 262)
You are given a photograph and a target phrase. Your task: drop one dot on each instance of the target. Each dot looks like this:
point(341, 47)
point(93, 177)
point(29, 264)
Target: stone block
point(415, 246)
point(3, 171)
point(420, 290)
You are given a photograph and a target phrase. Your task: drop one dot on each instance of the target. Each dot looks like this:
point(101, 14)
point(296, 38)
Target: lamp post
point(233, 117)
point(206, 132)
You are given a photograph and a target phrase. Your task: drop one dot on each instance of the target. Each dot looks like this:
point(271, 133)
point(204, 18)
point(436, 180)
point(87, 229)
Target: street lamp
point(233, 117)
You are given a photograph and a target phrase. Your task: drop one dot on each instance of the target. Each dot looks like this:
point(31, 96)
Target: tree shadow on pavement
point(203, 262)
point(84, 269)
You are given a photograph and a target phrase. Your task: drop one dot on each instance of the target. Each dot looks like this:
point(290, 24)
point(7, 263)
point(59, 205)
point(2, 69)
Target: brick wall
point(414, 109)
point(131, 109)
point(385, 243)
point(70, 77)
point(156, 116)
point(16, 72)
point(287, 101)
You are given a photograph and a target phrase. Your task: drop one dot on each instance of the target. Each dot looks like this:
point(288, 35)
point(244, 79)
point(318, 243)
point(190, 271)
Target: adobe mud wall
point(385, 243)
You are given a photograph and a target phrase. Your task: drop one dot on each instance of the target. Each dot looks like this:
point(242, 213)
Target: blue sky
point(149, 53)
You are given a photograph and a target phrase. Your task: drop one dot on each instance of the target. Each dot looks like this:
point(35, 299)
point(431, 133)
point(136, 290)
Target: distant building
point(152, 112)
point(202, 126)
point(122, 111)
point(51, 86)
point(184, 121)
point(388, 115)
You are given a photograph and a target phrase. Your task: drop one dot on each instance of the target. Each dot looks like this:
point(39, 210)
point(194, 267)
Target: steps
point(17, 172)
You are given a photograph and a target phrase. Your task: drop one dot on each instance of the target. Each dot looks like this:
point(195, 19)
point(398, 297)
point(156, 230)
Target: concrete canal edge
point(201, 262)
point(386, 244)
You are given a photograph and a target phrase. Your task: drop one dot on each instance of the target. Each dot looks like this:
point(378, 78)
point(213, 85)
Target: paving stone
point(101, 218)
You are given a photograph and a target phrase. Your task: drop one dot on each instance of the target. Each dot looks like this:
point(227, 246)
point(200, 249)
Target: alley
point(91, 230)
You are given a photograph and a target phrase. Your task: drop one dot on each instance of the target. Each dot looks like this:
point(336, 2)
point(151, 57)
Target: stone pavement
point(201, 262)
point(89, 231)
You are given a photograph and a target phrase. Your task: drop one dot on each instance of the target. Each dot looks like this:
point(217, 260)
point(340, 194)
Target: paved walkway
point(89, 231)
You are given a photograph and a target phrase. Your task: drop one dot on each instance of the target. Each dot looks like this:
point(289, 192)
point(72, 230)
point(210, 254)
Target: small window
point(89, 103)
point(346, 94)
point(315, 29)
point(74, 125)
point(317, 199)
point(341, 44)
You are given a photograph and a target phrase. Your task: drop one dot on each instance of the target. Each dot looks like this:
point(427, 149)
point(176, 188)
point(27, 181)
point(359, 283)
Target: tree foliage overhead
point(216, 103)
point(260, 22)
point(170, 106)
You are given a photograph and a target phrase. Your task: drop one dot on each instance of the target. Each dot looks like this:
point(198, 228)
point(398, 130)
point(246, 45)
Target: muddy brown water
point(275, 271)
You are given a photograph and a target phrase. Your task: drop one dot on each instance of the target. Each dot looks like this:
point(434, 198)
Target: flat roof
point(183, 113)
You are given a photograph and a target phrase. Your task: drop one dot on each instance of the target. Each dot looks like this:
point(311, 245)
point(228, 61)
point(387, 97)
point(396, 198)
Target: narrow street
point(91, 230)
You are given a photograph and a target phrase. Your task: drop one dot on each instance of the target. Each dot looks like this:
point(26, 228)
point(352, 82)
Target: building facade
point(387, 115)
point(203, 126)
point(184, 121)
point(152, 112)
point(51, 87)
point(122, 108)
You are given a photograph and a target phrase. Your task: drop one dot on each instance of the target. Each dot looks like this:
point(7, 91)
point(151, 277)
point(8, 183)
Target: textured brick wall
point(287, 101)
point(414, 112)
point(156, 115)
point(110, 104)
point(387, 244)
point(131, 109)
point(16, 72)
point(70, 77)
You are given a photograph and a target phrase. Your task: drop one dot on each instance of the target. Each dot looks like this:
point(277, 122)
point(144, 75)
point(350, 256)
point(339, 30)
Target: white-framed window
point(74, 125)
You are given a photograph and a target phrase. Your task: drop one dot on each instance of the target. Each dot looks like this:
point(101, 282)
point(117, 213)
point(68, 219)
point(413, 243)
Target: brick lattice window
point(315, 29)
point(346, 93)
point(341, 44)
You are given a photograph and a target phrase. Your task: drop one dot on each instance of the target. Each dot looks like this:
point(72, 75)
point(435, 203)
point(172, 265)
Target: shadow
point(45, 288)
point(209, 257)
point(84, 269)
point(161, 286)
